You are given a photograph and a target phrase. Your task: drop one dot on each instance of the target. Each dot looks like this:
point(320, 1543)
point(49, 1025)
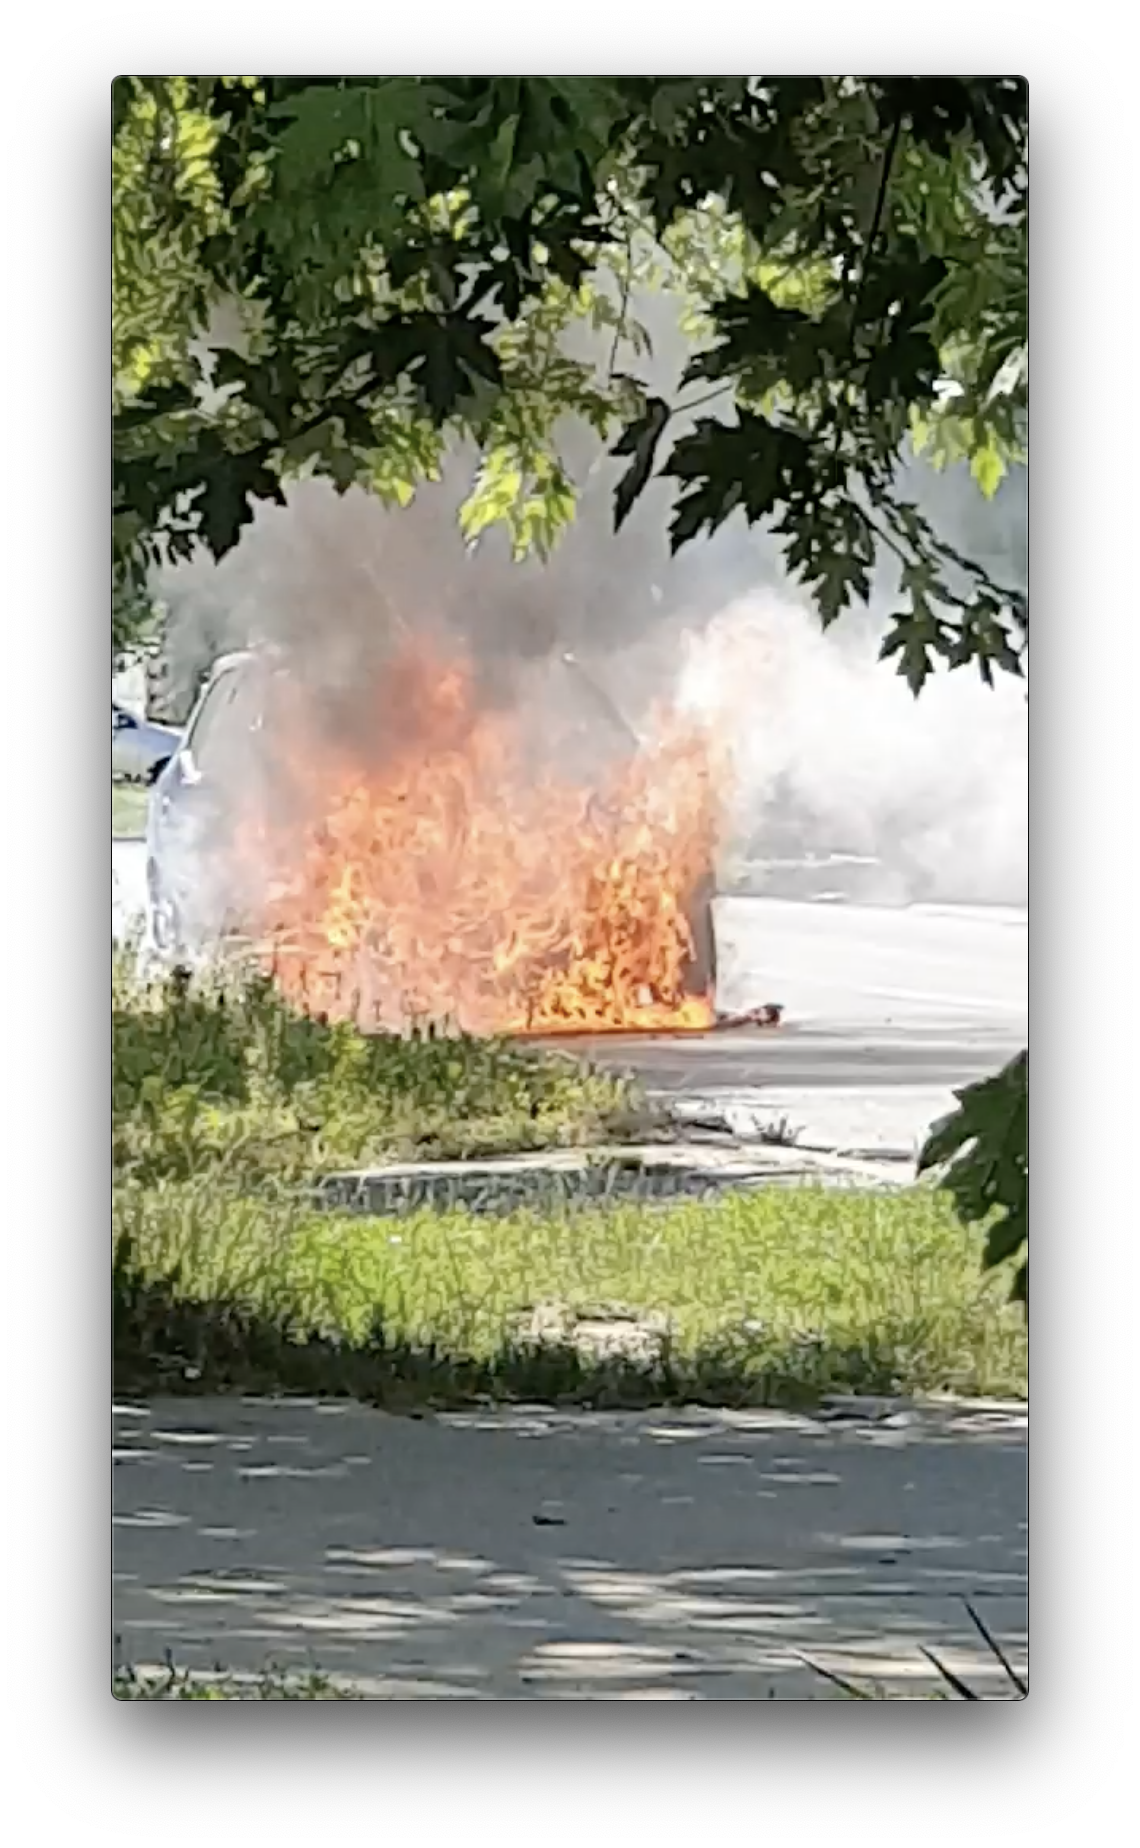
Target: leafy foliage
point(985, 1141)
point(224, 1077)
point(136, 621)
point(404, 261)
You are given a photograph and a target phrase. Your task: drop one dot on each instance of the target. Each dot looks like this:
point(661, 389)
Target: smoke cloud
point(832, 754)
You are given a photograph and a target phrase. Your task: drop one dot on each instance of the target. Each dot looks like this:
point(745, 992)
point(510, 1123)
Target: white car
point(139, 749)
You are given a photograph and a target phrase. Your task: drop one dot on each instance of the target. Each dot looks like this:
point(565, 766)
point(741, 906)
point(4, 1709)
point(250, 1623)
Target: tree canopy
point(401, 261)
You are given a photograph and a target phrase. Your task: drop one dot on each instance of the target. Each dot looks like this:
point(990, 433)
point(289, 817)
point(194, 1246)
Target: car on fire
point(195, 901)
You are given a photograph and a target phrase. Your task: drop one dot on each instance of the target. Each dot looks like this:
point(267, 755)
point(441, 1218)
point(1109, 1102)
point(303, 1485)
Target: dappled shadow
point(168, 1340)
point(535, 1554)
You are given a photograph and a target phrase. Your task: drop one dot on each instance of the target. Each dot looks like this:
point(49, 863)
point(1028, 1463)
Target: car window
point(231, 712)
point(211, 720)
point(247, 711)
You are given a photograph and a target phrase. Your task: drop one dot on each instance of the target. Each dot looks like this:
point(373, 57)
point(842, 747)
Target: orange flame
point(450, 878)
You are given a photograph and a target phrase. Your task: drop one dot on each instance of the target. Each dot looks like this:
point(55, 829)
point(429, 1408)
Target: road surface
point(886, 1011)
point(533, 1555)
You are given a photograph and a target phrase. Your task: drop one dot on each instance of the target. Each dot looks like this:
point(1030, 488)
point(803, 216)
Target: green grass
point(171, 1683)
point(128, 811)
point(222, 1076)
point(227, 1104)
point(777, 1297)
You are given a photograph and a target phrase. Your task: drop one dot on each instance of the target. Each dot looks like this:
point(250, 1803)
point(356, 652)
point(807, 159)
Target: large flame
point(445, 870)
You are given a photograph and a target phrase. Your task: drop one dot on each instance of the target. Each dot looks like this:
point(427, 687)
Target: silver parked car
point(139, 749)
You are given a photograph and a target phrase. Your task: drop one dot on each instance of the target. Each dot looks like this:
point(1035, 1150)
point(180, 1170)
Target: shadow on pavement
point(541, 1555)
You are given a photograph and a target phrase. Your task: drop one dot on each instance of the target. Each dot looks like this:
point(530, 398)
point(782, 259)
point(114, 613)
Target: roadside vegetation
point(220, 1076)
point(775, 1297)
point(229, 1274)
point(172, 1683)
point(779, 1297)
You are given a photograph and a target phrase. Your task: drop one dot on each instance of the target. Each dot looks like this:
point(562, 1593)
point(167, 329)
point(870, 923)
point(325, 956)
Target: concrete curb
point(656, 1173)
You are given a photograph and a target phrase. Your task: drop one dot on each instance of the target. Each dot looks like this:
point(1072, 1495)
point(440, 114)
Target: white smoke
point(833, 755)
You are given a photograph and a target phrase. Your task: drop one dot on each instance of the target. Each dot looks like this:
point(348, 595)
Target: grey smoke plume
point(832, 753)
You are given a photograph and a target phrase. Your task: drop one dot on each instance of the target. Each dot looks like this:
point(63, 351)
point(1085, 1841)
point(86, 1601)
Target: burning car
point(419, 844)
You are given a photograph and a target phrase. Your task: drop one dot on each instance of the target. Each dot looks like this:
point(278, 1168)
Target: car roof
point(235, 658)
point(268, 656)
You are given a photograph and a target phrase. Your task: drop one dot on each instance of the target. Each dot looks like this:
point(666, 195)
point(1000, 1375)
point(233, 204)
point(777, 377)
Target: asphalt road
point(534, 1555)
point(886, 1011)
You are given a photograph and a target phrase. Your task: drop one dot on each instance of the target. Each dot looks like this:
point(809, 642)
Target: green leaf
point(988, 467)
point(761, 343)
point(754, 465)
point(498, 487)
point(1005, 1239)
point(158, 401)
point(639, 439)
point(445, 355)
point(231, 483)
point(357, 424)
point(502, 151)
point(841, 579)
point(984, 1147)
point(325, 121)
point(917, 635)
point(702, 509)
point(987, 635)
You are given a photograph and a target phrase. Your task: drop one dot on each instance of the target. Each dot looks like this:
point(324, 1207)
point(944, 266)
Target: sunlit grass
point(772, 1296)
point(171, 1683)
